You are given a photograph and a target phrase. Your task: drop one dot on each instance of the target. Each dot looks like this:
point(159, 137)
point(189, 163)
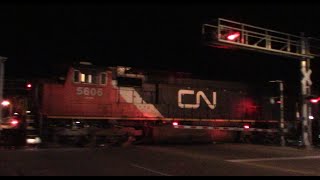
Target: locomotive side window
point(89, 77)
point(83, 78)
point(103, 78)
point(76, 74)
point(94, 79)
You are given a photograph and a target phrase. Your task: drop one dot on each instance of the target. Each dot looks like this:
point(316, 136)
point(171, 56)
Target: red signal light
point(14, 122)
point(314, 101)
point(233, 36)
point(28, 86)
point(5, 103)
point(175, 123)
point(246, 126)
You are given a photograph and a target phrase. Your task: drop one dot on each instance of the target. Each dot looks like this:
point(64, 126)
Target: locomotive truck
point(89, 103)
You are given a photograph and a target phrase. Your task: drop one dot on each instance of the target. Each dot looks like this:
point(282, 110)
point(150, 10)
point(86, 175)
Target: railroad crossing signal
point(233, 36)
point(306, 76)
point(229, 33)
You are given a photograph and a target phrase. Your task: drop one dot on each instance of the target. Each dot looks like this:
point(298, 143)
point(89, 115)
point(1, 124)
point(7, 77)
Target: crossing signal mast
point(229, 33)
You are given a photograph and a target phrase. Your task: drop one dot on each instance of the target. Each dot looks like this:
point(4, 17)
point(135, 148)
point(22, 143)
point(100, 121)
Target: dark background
point(166, 36)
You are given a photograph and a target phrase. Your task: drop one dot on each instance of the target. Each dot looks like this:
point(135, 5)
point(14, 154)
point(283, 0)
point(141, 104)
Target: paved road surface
point(173, 160)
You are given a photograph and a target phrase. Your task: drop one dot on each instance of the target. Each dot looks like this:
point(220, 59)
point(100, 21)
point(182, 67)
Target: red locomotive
point(115, 93)
point(89, 96)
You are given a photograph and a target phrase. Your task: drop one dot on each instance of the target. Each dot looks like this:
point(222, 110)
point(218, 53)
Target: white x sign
point(306, 76)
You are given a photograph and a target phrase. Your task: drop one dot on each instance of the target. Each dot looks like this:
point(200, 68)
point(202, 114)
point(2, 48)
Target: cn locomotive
point(86, 96)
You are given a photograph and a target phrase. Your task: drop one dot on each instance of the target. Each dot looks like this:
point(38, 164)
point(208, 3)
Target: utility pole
point(2, 60)
point(281, 124)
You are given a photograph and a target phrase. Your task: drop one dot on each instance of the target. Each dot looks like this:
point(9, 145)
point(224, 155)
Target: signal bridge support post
point(306, 83)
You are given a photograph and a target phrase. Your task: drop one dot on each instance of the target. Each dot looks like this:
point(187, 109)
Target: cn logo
point(199, 94)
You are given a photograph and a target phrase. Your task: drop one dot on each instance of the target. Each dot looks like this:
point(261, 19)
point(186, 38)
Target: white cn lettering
point(199, 94)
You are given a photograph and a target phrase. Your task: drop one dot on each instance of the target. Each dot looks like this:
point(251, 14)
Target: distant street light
point(283, 142)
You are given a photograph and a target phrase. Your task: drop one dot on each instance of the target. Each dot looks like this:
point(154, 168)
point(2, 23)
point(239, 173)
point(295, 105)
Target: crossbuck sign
point(306, 77)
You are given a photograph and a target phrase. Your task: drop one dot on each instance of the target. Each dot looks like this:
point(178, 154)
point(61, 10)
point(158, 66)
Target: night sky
point(37, 36)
